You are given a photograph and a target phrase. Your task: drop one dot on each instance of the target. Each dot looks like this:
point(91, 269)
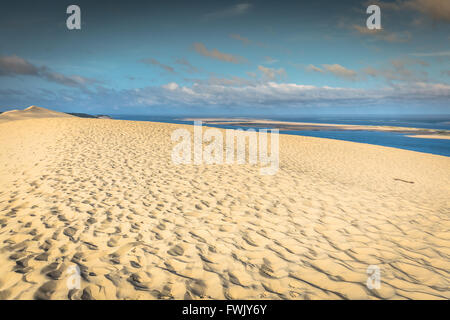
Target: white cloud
point(281, 94)
point(171, 86)
point(257, 96)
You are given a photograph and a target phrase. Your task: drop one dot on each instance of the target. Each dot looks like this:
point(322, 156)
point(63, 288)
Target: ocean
point(387, 139)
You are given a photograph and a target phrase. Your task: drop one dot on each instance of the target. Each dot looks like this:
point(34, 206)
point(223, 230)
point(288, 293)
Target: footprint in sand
point(176, 251)
point(46, 291)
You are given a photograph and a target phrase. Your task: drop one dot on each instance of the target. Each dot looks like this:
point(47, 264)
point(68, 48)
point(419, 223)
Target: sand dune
point(32, 112)
point(105, 196)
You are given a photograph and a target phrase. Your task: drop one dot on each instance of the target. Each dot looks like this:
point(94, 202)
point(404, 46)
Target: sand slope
point(104, 195)
point(32, 112)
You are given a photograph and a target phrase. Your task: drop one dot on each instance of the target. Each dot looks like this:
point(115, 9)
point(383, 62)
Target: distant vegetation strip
point(86, 115)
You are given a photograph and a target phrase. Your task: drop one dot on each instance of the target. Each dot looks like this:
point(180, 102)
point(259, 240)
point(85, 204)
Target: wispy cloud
point(216, 54)
point(313, 68)
point(187, 65)
point(244, 40)
point(335, 69)
point(432, 54)
point(400, 69)
point(270, 60)
point(232, 11)
point(15, 65)
point(382, 34)
point(272, 73)
point(223, 81)
point(436, 10)
point(155, 62)
point(340, 71)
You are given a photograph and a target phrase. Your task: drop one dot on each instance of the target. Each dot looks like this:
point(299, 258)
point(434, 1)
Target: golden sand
point(32, 112)
point(105, 196)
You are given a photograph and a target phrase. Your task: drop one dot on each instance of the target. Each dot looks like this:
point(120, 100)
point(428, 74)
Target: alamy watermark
point(374, 278)
point(373, 22)
point(73, 22)
point(74, 279)
point(213, 151)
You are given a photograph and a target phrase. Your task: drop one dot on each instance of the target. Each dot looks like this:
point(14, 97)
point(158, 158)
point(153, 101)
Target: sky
point(226, 57)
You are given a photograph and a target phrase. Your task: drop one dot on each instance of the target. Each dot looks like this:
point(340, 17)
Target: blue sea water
point(387, 139)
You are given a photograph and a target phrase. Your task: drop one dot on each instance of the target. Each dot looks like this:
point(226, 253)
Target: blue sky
point(227, 57)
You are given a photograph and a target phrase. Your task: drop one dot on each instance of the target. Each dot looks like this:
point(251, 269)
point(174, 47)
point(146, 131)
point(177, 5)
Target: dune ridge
point(104, 195)
point(32, 112)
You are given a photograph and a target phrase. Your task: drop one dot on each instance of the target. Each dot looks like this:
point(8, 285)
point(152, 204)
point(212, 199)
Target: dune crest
point(31, 112)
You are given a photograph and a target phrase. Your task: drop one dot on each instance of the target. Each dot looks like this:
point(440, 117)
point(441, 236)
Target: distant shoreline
point(431, 136)
point(308, 126)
